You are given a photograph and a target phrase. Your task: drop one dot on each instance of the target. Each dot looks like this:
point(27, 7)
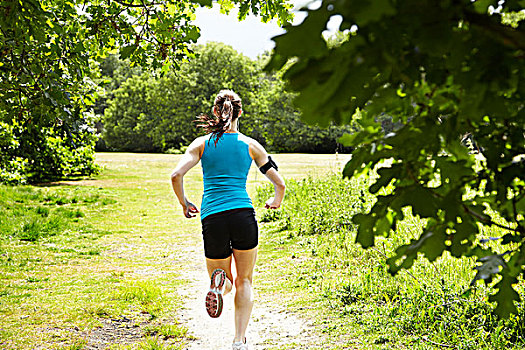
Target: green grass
point(309, 251)
point(77, 254)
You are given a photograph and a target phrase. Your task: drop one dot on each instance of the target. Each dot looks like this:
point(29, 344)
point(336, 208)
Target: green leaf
point(369, 134)
point(386, 175)
point(127, 51)
point(304, 40)
point(406, 254)
point(422, 200)
point(207, 3)
point(490, 266)
point(357, 162)
point(505, 297)
point(193, 34)
point(465, 230)
point(365, 229)
point(482, 6)
point(454, 170)
point(367, 11)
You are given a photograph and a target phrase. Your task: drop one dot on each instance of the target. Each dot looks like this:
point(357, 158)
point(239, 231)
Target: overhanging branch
point(507, 35)
point(135, 5)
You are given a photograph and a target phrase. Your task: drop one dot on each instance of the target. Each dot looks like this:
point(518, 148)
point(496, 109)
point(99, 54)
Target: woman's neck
point(234, 126)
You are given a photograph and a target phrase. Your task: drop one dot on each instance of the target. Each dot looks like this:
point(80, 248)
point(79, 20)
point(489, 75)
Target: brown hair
point(226, 109)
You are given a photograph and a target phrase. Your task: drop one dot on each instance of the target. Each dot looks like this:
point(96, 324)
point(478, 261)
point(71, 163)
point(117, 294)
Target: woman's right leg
point(244, 263)
point(219, 271)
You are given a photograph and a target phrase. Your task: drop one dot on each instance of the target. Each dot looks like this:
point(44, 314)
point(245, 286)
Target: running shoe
point(240, 345)
point(214, 296)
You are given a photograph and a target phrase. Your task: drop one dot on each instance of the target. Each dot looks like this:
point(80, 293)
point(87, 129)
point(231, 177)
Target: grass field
point(107, 276)
point(96, 264)
point(93, 262)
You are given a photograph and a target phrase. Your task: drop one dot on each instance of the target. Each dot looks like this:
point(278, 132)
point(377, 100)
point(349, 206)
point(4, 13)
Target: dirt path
point(271, 326)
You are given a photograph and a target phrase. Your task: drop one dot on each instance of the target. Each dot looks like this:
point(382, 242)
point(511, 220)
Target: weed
point(31, 230)
point(142, 291)
point(43, 211)
point(167, 331)
point(98, 309)
point(147, 293)
point(77, 345)
point(154, 343)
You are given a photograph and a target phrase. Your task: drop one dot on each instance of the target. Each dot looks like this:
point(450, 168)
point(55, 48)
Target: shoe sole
point(214, 300)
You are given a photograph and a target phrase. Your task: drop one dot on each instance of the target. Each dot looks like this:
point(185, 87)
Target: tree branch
point(135, 5)
point(478, 216)
point(490, 221)
point(507, 35)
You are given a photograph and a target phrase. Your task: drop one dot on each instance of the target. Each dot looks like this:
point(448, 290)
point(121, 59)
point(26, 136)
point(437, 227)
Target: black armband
point(267, 166)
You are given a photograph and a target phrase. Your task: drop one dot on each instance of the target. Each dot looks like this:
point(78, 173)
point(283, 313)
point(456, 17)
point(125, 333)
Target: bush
point(317, 206)
point(32, 153)
point(12, 168)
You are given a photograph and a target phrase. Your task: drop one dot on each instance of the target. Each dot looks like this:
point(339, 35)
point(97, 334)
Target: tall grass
point(428, 306)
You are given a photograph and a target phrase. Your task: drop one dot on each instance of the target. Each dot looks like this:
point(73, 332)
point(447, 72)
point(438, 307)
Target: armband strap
point(267, 166)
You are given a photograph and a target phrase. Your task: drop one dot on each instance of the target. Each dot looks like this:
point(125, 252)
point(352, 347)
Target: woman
point(229, 226)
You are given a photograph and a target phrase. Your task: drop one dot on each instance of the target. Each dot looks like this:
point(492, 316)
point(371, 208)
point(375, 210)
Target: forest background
point(147, 111)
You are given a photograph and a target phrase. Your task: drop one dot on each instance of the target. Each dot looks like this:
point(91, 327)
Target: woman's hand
point(190, 210)
point(272, 203)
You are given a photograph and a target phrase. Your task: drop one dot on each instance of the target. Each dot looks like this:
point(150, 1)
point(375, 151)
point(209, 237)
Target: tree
point(218, 66)
point(161, 110)
point(50, 50)
point(157, 113)
point(125, 122)
point(440, 69)
point(279, 124)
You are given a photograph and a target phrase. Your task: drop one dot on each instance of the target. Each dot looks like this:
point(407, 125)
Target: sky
point(250, 37)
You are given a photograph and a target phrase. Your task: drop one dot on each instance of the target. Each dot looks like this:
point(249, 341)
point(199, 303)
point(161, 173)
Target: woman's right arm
point(188, 161)
point(260, 157)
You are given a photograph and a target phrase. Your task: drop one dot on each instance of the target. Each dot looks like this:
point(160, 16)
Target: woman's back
point(225, 167)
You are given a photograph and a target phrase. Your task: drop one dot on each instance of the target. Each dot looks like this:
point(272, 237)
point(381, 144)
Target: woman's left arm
point(188, 161)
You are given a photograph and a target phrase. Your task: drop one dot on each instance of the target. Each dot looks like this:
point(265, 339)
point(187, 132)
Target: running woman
point(229, 226)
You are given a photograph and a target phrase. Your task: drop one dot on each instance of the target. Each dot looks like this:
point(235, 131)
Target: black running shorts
point(227, 230)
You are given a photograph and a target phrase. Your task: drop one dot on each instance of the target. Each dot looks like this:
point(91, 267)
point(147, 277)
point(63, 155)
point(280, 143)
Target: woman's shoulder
point(250, 141)
point(255, 149)
point(199, 140)
point(197, 145)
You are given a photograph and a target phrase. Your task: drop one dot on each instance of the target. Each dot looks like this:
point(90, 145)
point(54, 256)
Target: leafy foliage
point(438, 77)
point(150, 112)
point(50, 50)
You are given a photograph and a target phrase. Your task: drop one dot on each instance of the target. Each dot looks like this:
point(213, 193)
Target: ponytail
point(226, 108)
point(227, 113)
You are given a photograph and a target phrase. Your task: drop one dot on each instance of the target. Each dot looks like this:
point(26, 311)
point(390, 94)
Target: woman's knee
point(243, 283)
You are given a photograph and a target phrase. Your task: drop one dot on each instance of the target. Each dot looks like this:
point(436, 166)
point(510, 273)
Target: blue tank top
point(225, 169)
